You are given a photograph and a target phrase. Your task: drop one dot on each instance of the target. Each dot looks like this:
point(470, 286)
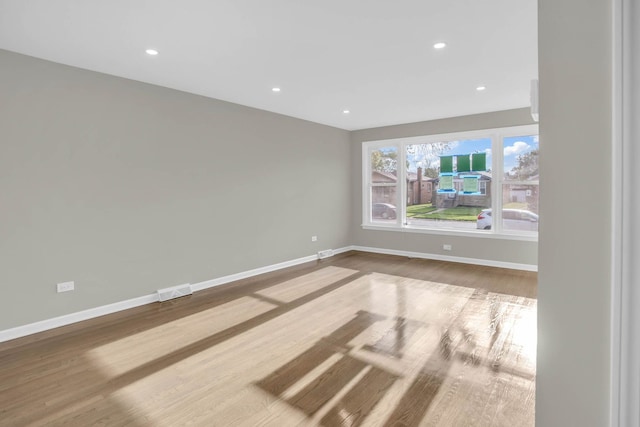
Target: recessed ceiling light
point(440, 45)
point(345, 111)
point(151, 52)
point(275, 89)
point(481, 88)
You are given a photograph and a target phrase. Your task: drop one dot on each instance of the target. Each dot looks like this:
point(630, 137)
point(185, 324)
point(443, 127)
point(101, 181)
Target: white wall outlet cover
point(65, 286)
point(314, 238)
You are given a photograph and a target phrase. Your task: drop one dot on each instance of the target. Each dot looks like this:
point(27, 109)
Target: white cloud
point(487, 151)
point(518, 147)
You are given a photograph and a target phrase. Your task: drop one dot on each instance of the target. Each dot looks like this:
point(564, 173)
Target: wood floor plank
point(356, 405)
point(356, 340)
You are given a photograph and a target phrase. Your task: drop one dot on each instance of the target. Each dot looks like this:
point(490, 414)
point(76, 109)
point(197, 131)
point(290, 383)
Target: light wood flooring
point(356, 339)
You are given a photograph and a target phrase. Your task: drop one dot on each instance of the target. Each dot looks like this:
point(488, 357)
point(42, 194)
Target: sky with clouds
point(517, 145)
point(513, 146)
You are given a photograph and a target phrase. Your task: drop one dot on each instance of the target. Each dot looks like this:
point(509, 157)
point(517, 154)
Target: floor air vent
point(325, 254)
point(174, 292)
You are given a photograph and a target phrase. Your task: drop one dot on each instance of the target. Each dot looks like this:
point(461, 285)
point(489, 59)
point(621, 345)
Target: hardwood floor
point(357, 339)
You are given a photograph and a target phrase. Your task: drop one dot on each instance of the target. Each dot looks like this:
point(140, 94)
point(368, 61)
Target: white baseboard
point(250, 273)
point(438, 257)
point(67, 319)
point(342, 250)
point(256, 271)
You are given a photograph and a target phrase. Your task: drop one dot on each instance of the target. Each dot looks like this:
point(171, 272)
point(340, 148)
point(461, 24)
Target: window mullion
point(498, 174)
point(366, 179)
point(402, 181)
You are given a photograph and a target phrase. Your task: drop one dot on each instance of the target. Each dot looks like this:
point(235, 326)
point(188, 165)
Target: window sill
point(445, 232)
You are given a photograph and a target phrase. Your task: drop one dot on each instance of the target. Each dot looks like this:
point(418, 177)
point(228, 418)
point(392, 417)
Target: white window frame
point(367, 187)
point(497, 165)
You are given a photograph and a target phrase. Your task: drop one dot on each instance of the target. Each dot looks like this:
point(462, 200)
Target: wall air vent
point(535, 103)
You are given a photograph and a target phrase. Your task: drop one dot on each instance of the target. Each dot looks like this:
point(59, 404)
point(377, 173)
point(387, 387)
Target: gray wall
point(126, 188)
point(574, 262)
point(480, 248)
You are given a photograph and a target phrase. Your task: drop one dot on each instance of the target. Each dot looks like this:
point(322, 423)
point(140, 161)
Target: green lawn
point(420, 211)
point(460, 213)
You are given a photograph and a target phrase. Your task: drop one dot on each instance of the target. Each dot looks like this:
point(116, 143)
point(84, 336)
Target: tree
point(384, 161)
point(427, 154)
point(431, 172)
point(527, 166)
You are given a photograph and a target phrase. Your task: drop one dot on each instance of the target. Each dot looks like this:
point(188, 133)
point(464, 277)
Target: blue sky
point(467, 146)
point(516, 145)
point(513, 146)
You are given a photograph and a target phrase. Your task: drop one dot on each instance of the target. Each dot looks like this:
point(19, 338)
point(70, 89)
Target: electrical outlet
point(66, 287)
point(314, 238)
point(447, 247)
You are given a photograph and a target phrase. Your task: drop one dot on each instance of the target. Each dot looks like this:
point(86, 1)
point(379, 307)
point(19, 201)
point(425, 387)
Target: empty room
point(250, 213)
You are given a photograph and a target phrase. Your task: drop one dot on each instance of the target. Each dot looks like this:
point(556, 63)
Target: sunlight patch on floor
point(166, 338)
point(303, 285)
point(396, 335)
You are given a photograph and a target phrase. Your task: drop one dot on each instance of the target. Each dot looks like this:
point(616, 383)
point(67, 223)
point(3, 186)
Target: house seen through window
point(478, 182)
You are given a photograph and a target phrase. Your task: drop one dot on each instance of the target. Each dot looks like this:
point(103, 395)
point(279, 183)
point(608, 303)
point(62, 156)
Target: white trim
point(497, 203)
point(342, 250)
point(402, 173)
point(256, 271)
point(67, 319)
point(438, 257)
point(625, 275)
point(484, 234)
point(366, 192)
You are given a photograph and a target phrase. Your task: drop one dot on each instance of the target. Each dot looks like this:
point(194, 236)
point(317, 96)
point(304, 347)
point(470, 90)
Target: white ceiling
point(372, 57)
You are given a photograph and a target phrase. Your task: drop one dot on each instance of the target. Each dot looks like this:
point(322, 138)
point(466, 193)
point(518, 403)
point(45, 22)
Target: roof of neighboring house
point(485, 176)
point(412, 176)
point(388, 175)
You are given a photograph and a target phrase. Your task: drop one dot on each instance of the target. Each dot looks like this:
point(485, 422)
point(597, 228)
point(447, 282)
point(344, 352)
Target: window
point(483, 187)
point(520, 182)
point(480, 183)
point(383, 191)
